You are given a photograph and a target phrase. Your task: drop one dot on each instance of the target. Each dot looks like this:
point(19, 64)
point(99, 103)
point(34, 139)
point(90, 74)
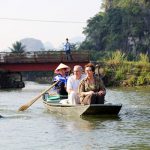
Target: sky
point(47, 20)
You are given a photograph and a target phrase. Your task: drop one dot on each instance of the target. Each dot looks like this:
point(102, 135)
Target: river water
point(37, 129)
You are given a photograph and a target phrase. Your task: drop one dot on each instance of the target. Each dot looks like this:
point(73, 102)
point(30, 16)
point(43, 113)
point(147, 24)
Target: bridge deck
point(40, 61)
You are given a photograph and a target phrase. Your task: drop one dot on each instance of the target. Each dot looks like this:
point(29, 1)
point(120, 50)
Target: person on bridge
point(62, 76)
point(67, 48)
point(73, 83)
point(91, 88)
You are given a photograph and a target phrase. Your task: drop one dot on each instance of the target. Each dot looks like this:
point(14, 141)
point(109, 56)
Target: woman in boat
point(91, 88)
point(62, 76)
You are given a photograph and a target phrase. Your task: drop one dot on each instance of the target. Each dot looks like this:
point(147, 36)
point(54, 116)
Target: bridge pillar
point(11, 80)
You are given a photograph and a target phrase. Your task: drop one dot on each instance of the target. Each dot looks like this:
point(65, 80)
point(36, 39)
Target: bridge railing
point(42, 57)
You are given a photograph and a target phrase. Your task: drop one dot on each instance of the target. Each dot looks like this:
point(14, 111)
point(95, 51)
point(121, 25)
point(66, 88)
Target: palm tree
point(17, 47)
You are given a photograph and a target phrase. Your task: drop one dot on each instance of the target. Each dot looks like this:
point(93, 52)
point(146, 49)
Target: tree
point(123, 25)
point(17, 47)
point(95, 33)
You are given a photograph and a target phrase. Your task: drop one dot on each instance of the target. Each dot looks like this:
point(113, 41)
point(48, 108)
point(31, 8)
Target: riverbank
point(126, 74)
point(117, 70)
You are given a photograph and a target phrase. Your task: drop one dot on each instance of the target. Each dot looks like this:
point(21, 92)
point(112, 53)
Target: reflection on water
point(38, 129)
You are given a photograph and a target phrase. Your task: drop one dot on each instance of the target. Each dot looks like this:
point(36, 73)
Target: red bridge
point(12, 64)
point(40, 61)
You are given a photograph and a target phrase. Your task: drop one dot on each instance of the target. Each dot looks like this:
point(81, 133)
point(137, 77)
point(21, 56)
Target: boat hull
point(81, 110)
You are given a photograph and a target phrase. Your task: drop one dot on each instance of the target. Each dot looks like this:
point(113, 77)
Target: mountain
point(32, 44)
point(48, 46)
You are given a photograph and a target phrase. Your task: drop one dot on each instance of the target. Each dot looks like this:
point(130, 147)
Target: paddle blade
point(23, 107)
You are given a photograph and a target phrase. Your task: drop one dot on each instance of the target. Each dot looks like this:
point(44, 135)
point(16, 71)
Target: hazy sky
point(78, 11)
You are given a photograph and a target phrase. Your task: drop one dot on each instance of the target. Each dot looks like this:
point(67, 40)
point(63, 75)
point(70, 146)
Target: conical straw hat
point(62, 66)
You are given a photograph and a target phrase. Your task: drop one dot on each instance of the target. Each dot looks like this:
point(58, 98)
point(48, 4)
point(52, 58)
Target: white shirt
point(73, 83)
point(67, 46)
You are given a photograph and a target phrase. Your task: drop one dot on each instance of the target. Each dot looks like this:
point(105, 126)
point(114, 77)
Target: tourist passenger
point(61, 71)
point(67, 48)
point(73, 83)
point(91, 89)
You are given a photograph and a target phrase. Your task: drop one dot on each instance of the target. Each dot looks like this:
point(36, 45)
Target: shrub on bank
point(125, 75)
point(118, 71)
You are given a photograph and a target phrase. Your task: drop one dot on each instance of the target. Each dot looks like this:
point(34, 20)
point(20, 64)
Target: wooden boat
point(52, 104)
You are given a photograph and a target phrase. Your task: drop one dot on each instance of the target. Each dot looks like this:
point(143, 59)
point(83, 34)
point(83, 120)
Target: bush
point(140, 80)
point(132, 80)
point(119, 74)
point(117, 58)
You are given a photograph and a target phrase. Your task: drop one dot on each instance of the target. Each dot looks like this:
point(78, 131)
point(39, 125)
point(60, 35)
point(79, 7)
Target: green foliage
point(143, 59)
point(17, 47)
point(121, 72)
point(97, 55)
point(117, 57)
point(123, 25)
point(140, 80)
point(119, 75)
point(147, 77)
point(109, 74)
point(131, 81)
point(144, 77)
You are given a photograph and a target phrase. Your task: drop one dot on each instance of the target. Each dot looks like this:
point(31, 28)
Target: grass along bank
point(118, 71)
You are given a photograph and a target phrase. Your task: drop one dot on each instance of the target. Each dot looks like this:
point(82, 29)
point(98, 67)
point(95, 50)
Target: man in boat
point(73, 83)
point(62, 77)
point(91, 88)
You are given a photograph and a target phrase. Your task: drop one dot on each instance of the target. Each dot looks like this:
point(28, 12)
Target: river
point(37, 129)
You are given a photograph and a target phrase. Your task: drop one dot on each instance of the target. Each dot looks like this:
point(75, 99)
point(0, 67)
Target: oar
point(27, 105)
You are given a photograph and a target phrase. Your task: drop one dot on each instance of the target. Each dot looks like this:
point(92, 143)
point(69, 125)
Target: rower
point(62, 76)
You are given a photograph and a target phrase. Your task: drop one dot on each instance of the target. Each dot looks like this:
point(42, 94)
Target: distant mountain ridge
point(32, 44)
